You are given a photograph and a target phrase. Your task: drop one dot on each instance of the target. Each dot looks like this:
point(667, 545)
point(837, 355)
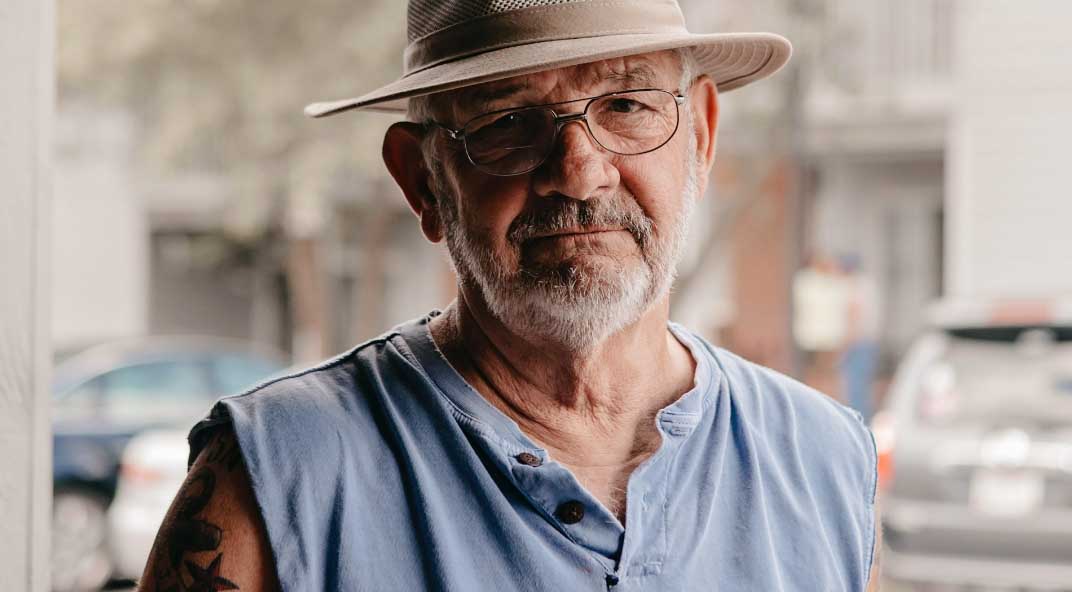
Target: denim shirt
point(382, 469)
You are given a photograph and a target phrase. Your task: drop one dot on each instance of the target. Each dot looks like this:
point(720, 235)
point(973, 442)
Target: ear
point(703, 97)
point(405, 161)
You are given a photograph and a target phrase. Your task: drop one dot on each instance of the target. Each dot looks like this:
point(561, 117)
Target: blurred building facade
point(907, 158)
point(99, 230)
point(136, 255)
point(840, 162)
point(838, 166)
point(876, 113)
point(329, 281)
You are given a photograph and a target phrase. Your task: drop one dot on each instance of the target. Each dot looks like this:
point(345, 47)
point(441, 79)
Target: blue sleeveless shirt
point(383, 470)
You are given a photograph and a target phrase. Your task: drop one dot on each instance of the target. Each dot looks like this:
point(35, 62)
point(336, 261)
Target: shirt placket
point(563, 501)
point(644, 545)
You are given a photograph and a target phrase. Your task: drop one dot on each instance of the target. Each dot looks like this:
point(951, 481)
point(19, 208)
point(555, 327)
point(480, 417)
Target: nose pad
point(574, 136)
point(581, 123)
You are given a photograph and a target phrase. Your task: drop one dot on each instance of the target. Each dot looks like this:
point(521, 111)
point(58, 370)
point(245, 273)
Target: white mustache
point(574, 215)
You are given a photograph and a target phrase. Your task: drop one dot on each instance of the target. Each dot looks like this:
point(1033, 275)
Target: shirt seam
point(706, 400)
point(869, 507)
point(477, 424)
point(325, 365)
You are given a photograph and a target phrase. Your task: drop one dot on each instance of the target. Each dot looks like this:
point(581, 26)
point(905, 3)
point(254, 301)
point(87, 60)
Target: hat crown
point(445, 30)
point(457, 43)
point(425, 17)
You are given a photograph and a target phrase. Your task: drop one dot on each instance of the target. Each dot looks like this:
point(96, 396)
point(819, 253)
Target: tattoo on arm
point(208, 579)
point(223, 450)
point(188, 532)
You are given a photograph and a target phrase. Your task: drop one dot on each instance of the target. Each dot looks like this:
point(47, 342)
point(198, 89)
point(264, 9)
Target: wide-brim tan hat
point(458, 43)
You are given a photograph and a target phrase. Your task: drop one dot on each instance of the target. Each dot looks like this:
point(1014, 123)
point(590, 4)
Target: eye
point(508, 121)
point(499, 123)
point(624, 105)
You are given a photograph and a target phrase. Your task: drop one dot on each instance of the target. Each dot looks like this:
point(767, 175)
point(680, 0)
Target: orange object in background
point(883, 430)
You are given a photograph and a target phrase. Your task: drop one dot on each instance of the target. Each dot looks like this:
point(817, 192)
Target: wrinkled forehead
point(651, 70)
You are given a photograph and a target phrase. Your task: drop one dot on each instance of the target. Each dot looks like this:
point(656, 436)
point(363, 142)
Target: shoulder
point(792, 418)
point(213, 532)
point(311, 405)
point(775, 400)
point(813, 442)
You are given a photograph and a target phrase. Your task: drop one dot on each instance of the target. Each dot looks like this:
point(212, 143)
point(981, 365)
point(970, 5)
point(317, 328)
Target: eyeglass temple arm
point(453, 134)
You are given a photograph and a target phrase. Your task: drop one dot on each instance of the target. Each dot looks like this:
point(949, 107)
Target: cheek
point(657, 182)
point(489, 205)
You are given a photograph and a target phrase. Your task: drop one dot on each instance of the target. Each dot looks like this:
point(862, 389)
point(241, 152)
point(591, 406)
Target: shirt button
point(570, 512)
point(527, 458)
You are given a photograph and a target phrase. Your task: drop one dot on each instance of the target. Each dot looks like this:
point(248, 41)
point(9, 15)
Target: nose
point(577, 168)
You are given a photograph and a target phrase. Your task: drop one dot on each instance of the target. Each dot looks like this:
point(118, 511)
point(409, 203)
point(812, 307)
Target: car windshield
point(145, 392)
point(1025, 377)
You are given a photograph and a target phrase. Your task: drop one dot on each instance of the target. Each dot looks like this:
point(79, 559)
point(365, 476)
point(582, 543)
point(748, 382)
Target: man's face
point(586, 243)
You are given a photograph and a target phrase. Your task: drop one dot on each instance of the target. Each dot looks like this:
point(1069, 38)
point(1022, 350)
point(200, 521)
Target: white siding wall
point(26, 96)
point(1010, 174)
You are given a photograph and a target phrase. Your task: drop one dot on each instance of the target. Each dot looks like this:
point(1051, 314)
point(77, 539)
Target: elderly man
point(551, 429)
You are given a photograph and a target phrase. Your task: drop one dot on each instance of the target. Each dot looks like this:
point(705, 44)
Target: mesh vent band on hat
point(428, 16)
point(458, 43)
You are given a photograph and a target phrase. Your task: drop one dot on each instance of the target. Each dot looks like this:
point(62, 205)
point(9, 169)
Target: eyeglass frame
point(559, 122)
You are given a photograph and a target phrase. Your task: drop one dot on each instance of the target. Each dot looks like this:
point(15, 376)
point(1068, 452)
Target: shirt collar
point(679, 418)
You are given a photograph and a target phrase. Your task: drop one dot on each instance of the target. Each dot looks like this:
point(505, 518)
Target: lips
point(575, 232)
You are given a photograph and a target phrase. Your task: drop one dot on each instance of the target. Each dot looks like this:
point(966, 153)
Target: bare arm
point(213, 537)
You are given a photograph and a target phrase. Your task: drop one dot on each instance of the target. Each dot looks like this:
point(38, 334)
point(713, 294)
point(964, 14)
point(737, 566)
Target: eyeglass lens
point(518, 141)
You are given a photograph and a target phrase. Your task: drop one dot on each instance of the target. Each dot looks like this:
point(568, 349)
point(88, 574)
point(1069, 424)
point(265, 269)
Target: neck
point(590, 409)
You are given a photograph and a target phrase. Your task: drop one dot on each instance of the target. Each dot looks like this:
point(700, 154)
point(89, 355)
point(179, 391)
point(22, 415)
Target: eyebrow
point(641, 75)
point(483, 96)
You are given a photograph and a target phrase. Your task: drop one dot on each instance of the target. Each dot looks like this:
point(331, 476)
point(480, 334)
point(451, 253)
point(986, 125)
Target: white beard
point(575, 305)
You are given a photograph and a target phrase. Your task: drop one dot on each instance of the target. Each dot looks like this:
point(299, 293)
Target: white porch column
point(26, 104)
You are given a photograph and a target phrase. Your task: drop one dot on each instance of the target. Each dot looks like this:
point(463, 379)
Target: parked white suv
point(152, 469)
point(975, 448)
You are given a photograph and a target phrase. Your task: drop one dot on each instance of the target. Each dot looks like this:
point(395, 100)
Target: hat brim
point(732, 60)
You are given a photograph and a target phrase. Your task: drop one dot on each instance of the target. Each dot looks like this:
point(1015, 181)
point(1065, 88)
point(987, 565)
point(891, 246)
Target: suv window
point(980, 380)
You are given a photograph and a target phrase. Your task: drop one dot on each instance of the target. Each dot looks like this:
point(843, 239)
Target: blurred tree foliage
point(217, 87)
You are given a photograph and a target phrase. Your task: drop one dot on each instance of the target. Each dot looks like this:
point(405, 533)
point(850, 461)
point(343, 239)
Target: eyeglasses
point(517, 141)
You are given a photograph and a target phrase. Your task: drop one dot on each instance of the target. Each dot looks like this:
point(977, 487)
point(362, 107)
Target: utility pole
point(804, 16)
point(27, 33)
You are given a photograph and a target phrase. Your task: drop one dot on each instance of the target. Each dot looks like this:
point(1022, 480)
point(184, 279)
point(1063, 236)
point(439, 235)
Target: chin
point(583, 276)
point(574, 301)
point(574, 308)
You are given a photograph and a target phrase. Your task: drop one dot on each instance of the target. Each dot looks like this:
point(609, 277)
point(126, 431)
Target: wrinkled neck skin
point(594, 410)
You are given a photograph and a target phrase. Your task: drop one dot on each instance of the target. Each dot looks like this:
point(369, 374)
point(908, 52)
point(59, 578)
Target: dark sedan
point(105, 395)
